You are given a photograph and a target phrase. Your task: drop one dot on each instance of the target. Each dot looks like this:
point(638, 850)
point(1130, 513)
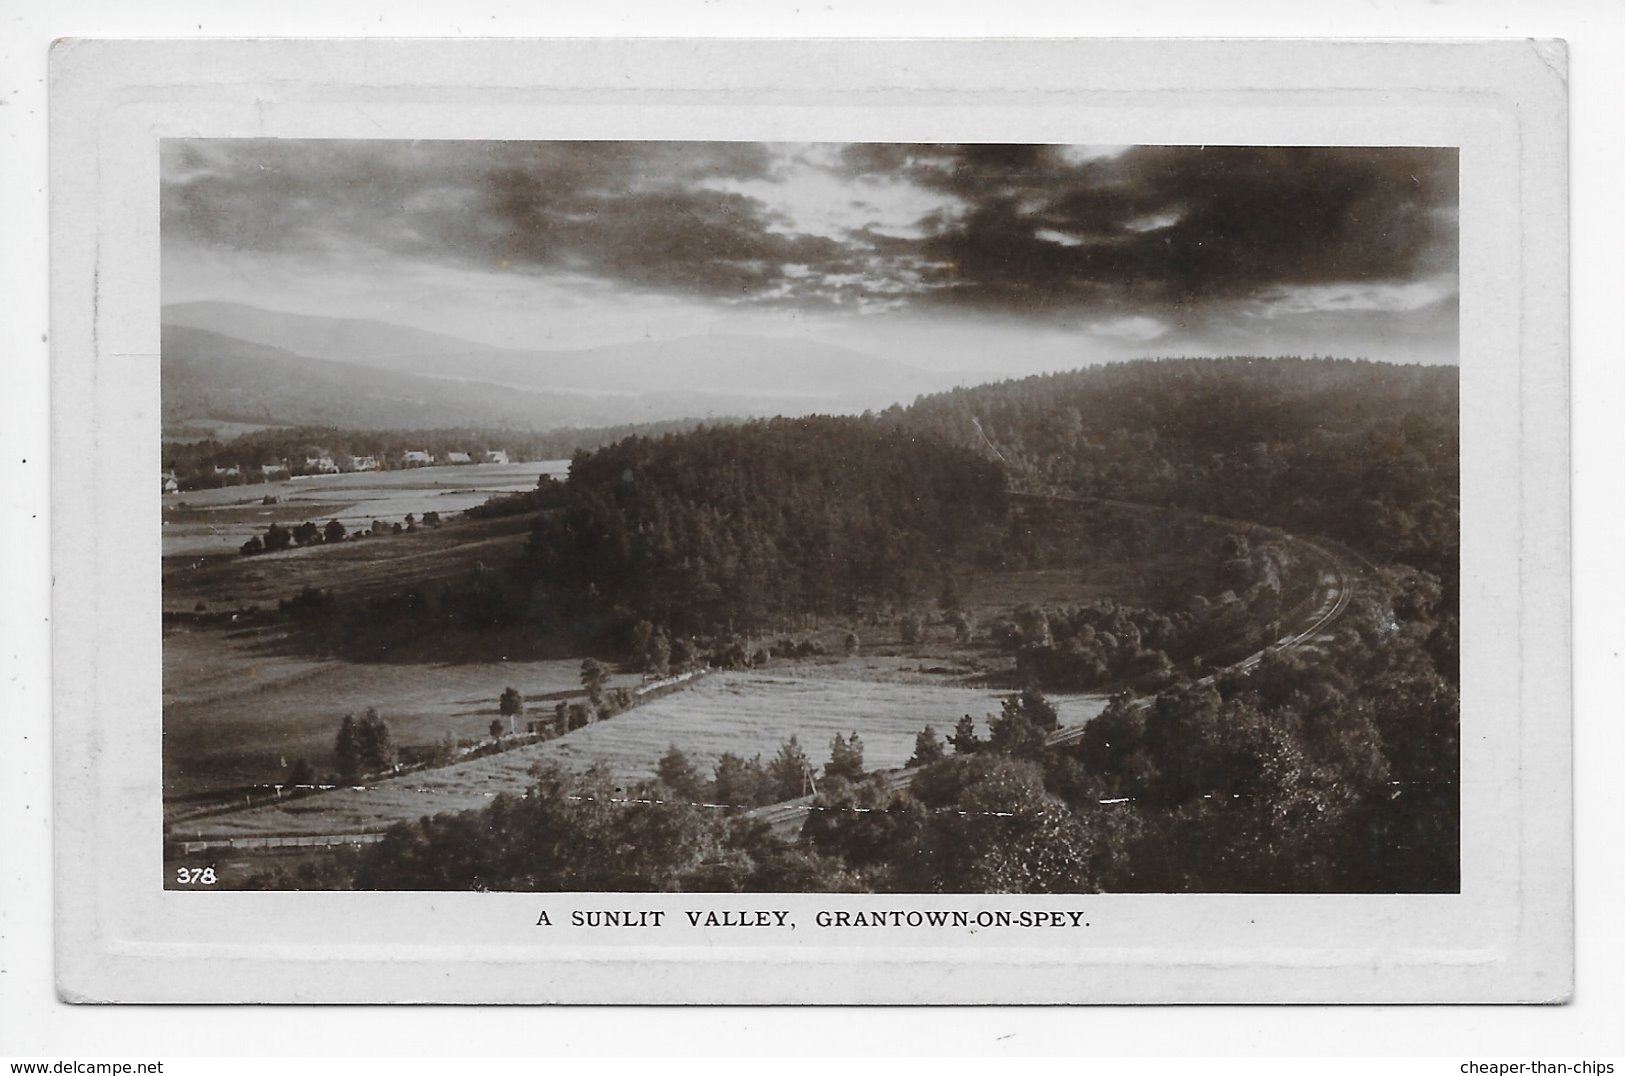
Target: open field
point(221, 520)
point(229, 581)
point(233, 714)
point(747, 713)
point(753, 713)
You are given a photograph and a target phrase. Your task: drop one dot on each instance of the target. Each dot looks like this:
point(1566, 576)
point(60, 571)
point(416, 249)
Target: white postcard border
point(1507, 937)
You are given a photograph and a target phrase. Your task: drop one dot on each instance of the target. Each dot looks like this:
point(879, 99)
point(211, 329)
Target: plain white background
point(33, 1023)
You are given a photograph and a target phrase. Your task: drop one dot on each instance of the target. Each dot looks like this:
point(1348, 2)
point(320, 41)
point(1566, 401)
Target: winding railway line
point(1330, 599)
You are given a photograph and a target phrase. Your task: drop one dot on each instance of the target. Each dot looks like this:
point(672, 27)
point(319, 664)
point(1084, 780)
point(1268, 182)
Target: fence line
point(320, 840)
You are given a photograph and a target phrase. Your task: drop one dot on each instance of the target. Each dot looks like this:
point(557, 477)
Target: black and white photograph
point(809, 523)
point(744, 517)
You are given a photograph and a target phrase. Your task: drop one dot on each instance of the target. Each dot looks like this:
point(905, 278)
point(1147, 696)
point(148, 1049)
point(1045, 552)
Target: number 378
point(195, 875)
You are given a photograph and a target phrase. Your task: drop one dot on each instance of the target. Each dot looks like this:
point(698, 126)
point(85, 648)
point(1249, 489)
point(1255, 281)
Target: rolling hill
point(372, 372)
point(208, 376)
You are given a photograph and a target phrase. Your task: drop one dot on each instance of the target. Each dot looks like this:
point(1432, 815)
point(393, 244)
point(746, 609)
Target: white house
point(273, 470)
point(458, 457)
point(497, 455)
point(414, 458)
point(365, 463)
point(171, 484)
point(227, 472)
point(320, 465)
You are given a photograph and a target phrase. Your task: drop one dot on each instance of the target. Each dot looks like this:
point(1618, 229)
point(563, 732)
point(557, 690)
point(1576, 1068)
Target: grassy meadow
point(236, 714)
point(747, 713)
point(200, 522)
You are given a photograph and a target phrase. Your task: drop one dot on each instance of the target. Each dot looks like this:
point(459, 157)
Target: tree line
point(278, 538)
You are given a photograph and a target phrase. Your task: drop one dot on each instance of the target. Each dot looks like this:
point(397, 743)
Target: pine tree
point(788, 771)
point(928, 748)
point(679, 775)
point(347, 750)
point(593, 678)
point(374, 750)
point(845, 758)
point(964, 739)
point(512, 704)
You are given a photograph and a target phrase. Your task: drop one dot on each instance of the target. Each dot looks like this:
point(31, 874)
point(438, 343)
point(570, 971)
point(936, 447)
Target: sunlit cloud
point(1154, 222)
point(1050, 235)
point(1412, 295)
point(1086, 154)
point(1136, 328)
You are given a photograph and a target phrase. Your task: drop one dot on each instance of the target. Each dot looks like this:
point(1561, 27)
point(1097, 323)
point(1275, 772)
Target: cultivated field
point(753, 713)
point(236, 715)
point(221, 520)
point(228, 582)
point(747, 713)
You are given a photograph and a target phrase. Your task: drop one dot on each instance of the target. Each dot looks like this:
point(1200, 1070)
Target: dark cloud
point(628, 210)
point(661, 235)
point(1164, 226)
point(1017, 229)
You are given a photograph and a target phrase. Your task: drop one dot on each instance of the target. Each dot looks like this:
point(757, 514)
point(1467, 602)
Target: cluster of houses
point(414, 458)
point(235, 474)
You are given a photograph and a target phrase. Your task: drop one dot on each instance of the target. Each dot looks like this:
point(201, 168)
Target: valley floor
point(746, 713)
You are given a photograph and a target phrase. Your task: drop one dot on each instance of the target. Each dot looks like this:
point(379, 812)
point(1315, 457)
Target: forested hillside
point(1362, 452)
point(727, 526)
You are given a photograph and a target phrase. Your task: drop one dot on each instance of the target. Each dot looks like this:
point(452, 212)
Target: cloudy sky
point(986, 258)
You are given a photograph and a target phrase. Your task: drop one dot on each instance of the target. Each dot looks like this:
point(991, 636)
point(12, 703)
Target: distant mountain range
point(235, 363)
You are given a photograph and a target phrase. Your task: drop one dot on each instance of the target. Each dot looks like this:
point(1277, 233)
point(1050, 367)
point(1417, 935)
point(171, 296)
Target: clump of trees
point(651, 649)
point(549, 493)
point(578, 833)
point(363, 747)
point(1108, 642)
point(737, 782)
point(278, 538)
point(1331, 772)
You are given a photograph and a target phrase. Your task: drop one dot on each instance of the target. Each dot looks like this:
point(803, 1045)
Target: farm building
point(273, 470)
point(498, 455)
point(364, 463)
point(171, 484)
point(414, 458)
point(320, 465)
point(458, 457)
